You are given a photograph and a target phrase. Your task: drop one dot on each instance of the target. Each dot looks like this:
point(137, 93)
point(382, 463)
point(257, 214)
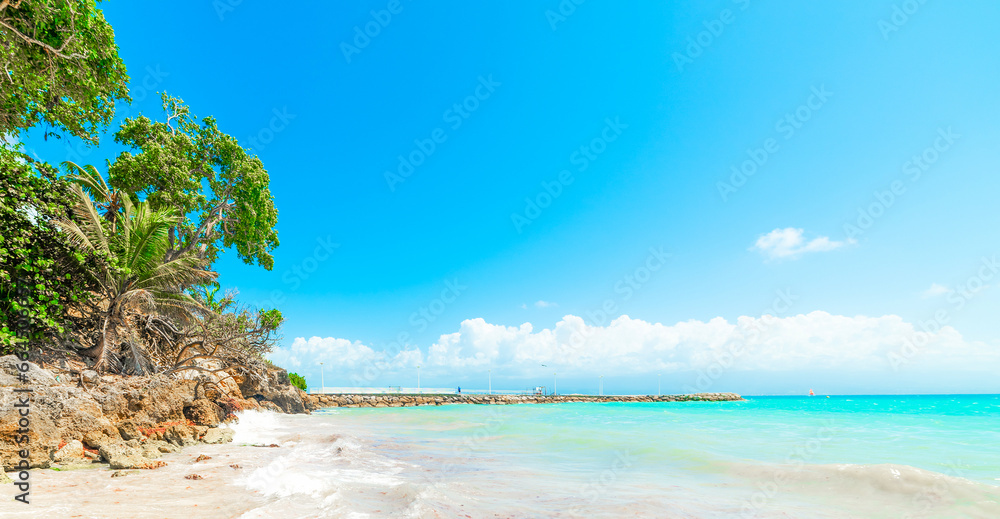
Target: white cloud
point(545, 304)
point(790, 243)
point(814, 341)
point(935, 290)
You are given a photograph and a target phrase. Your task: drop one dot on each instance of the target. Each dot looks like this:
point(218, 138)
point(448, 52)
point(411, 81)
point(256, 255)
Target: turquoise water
point(921, 456)
point(902, 457)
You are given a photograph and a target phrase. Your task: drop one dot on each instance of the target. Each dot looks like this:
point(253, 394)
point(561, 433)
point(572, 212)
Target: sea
point(899, 456)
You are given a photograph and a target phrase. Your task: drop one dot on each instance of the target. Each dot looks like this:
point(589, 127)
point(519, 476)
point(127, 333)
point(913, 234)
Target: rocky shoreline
point(314, 402)
point(76, 418)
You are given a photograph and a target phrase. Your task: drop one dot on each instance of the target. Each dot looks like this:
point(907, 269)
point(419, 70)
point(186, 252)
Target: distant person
point(460, 390)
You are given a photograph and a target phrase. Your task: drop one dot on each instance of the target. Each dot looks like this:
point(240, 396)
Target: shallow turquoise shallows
point(846, 456)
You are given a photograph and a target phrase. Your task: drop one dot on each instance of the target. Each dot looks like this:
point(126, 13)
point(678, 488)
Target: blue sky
point(635, 117)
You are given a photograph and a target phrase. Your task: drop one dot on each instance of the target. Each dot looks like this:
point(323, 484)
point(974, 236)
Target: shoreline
point(313, 401)
point(73, 418)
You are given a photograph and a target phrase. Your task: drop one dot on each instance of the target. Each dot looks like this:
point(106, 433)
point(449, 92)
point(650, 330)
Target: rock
point(90, 376)
point(193, 476)
point(218, 435)
point(35, 375)
point(270, 406)
point(204, 412)
point(72, 451)
point(129, 431)
point(120, 456)
point(151, 451)
point(122, 473)
point(180, 435)
point(202, 457)
point(95, 439)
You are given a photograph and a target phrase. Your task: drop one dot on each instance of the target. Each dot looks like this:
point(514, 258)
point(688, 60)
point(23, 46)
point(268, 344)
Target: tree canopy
point(60, 66)
point(204, 174)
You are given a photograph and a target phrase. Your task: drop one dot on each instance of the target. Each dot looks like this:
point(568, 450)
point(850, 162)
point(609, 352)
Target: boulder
point(204, 412)
point(72, 451)
point(95, 439)
point(90, 376)
point(270, 406)
point(180, 435)
point(129, 431)
point(35, 376)
point(218, 435)
point(121, 456)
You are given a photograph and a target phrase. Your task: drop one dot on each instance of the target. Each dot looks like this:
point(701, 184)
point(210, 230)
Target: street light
point(322, 384)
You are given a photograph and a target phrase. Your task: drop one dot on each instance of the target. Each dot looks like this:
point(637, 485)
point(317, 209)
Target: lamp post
point(490, 375)
point(322, 384)
point(418, 378)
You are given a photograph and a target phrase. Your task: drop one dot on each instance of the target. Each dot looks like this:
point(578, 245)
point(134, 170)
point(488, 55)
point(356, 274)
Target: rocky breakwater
point(76, 419)
point(357, 400)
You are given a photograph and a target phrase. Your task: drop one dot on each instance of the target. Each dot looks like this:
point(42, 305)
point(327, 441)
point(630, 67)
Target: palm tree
point(105, 198)
point(133, 277)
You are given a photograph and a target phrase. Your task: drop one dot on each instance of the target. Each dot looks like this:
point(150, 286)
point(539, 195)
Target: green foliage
point(198, 171)
point(297, 381)
point(132, 275)
point(42, 275)
point(60, 66)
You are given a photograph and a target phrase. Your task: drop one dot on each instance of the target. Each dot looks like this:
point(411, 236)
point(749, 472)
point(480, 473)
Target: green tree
point(42, 275)
point(60, 66)
point(197, 171)
point(133, 277)
point(297, 381)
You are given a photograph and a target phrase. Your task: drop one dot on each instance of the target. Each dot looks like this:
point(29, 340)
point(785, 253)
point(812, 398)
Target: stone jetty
point(410, 400)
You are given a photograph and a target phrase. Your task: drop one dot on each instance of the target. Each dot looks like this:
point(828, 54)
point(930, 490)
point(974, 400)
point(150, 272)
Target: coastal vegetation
point(113, 270)
point(297, 380)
